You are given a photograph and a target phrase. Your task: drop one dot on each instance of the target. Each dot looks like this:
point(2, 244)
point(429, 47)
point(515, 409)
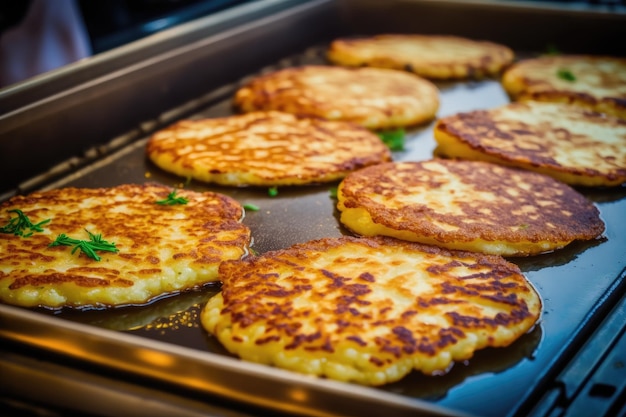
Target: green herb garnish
point(88, 247)
point(251, 207)
point(172, 199)
point(272, 191)
point(17, 225)
point(566, 75)
point(394, 139)
point(332, 192)
point(523, 226)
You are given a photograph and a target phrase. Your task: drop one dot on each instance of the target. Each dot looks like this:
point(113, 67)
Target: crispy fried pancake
point(368, 310)
point(569, 143)
point(161, 249)
point(265, 148)
point(469, 205)
point(372, 97)
point(430, 56)
point(594, 82)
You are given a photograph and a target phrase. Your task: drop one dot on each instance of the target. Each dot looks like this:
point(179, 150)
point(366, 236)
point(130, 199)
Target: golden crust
point(599, 82)
point(371, 97)
point(162, 249)
point(265, 148)
point(333, 307)
point(430, 56)
point(468, 205)
point(568, 143)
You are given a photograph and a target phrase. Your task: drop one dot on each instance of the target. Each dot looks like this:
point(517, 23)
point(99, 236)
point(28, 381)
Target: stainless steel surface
point(164, 344)
point(63, 389)
point(76, 111)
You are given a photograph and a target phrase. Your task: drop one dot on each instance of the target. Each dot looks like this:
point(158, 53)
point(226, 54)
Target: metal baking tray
point(91, 132)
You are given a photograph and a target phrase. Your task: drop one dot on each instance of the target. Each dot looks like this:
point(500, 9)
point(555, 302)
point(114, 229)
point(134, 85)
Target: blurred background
point(37, 36)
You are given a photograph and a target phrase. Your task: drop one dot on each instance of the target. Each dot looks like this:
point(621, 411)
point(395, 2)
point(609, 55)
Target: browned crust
point(488, 59)
point(596, 88)
point(135, 231)
point(265, 148)
point(372, 97)
point(254, 292)
point(478, 128)
point(573, 216)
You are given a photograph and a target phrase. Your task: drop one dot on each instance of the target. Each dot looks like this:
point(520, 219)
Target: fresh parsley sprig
point(88, 247)
point(251, 207)
point(565, 74)
point(17, 225)
point(172, 199)
point(394, 139)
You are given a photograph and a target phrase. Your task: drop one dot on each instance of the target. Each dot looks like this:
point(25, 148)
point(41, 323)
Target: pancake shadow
point(556, 258)
point(603, 194)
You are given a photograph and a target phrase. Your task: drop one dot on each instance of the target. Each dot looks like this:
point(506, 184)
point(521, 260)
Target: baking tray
point(163, 343)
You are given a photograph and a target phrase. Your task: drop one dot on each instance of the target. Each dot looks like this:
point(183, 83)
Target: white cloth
point(52, 34)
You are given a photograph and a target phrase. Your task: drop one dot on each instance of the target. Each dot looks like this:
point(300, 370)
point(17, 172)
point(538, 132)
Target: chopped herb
point(253, 251)
point(523, 226)
point(172, 199)
point(18, 224)
point(272, 191)
point(332, 192)
point(566, 75)
point(251, 207)
point(88, 247)
point(394, 139)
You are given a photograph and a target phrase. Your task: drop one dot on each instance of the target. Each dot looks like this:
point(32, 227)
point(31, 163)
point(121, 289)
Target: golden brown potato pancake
point(368, 310)
point(265, 149)
point(569, 143)
point(597, 83)
point(159, 249)
point(430, 56)
point(371, 97)
point(468, 205)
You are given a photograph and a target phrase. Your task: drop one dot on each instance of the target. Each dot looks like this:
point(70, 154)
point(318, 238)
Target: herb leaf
point(18, 224)
point(565, 74)
point(172, 199)
point(272, 191)
point(394, 139)
point(251, 207)
point(332, 192)
point(88, 247)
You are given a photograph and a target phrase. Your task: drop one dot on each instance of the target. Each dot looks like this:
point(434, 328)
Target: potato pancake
point(569, 143)
point(368, 310)
point(468, 205)
point(371, 97)
point(430, 56)
point(594, 82)
point(159, 247)
point(265, 148)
